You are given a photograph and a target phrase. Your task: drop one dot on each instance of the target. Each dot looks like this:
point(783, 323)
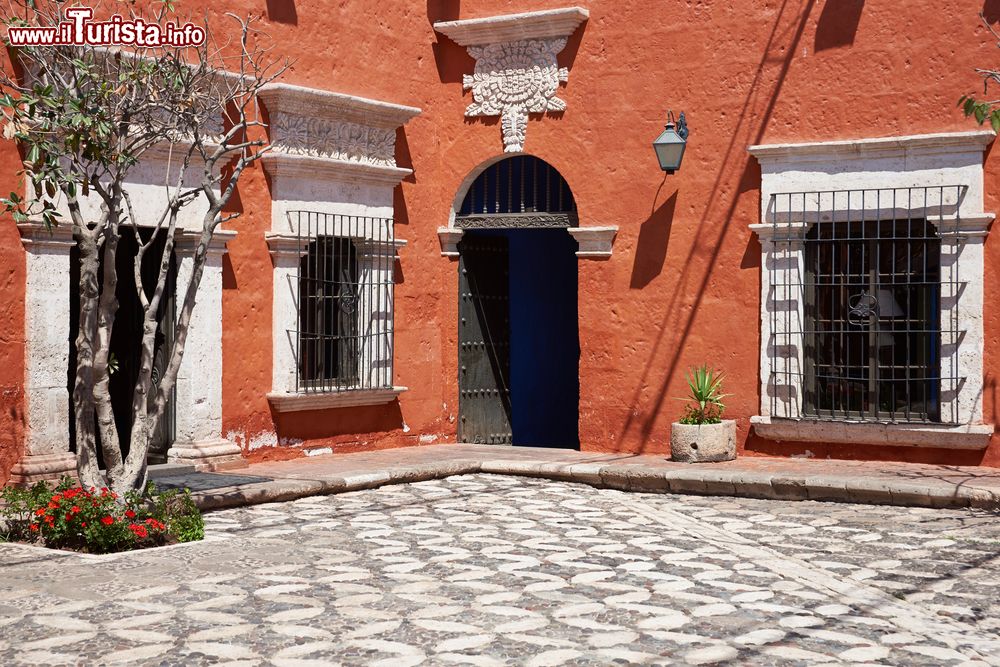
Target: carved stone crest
point(516, 70)
point(513, 79)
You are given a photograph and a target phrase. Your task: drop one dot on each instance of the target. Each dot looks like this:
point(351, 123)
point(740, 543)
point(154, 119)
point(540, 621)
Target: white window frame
point(331, 154)
point(930, 160)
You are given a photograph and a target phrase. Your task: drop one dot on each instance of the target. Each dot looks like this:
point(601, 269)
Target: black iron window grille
point(518, 191)
point(862, 304)
point(344, 339)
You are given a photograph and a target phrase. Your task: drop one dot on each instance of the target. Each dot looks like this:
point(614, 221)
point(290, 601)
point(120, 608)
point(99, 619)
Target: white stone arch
point(594, 242)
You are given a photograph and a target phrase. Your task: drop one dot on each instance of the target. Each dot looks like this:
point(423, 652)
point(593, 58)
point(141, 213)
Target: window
point(871, 295)
point(345, 284)
point(872, 315)
point(859, 305)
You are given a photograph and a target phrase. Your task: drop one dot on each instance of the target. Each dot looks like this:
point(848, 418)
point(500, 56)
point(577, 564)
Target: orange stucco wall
point(682, 287)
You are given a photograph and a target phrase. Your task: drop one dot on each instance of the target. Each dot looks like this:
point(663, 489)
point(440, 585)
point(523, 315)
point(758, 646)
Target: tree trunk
point(83, 385)
point(110, 442)
point(133, 473)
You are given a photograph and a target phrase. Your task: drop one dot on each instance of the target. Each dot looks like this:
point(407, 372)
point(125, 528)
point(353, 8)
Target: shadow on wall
point(318, 425)
point(282, 11)
point(651, 246)
point(862, 452)
point(680, 312)
point(991, 11)
point(442, 10)
point(451, 59)
point(838, 24)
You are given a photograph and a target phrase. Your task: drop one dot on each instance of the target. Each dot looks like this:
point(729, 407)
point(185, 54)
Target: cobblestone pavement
point(491, 570)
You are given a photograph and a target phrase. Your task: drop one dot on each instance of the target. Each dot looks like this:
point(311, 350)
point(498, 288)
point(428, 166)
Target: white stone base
point(31, 469)
point(333, 399)
point(965, 436)
point(207, 455)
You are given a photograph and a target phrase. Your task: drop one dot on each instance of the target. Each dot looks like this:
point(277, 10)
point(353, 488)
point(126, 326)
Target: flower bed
point(97, 520)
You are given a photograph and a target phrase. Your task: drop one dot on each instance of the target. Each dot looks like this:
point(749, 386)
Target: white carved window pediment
point(334, 126)
point(516, 71)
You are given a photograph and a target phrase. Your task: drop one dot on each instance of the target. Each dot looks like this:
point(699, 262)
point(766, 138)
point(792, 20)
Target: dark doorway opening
point(519, 348)
point(126, 336)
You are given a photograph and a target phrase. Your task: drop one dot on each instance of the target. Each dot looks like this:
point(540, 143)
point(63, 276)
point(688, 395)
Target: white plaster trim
point(31, 469)
point(34, 234)
point(450, 238)
point(315, 103)
point(292, 166)
point(824, 151)
point(339, 399)
point(207, 455)
point(512, 27)
point(186, 241)
point(965, 436)
point(968, 225)
point(594, 242)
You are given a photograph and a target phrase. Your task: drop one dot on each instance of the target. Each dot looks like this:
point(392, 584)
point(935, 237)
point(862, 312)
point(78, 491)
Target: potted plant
point(702, 434)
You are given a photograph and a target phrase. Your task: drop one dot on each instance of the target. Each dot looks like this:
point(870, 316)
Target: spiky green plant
point(705, 404)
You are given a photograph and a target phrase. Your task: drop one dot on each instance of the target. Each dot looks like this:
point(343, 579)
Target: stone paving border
point(905, 484)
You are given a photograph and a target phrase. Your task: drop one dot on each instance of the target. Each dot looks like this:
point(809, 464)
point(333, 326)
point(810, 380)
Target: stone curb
point(695, 480)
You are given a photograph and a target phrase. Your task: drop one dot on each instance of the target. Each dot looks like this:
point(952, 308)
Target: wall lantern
point(670, 145)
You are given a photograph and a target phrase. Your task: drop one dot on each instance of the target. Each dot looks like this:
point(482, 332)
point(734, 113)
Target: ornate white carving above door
point(516, 70)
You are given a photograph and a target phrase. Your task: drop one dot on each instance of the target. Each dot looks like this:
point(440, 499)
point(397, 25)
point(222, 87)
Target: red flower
point(83, 524)
point(154, 524)
point(54, 505)
point(33, 526)
point(130, 514)
point(74, 509)
point(107, 521)
point(40, 511)
point(49, 519)
point(139, 530)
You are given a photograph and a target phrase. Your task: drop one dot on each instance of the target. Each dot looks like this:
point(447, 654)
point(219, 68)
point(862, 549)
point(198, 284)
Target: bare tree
point(84, 117)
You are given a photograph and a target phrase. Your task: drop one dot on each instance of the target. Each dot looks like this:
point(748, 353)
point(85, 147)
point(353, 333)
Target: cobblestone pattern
point(488, 570)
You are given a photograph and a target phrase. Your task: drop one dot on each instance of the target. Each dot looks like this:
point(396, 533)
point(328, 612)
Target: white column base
point(207, 455)
point(31, 469)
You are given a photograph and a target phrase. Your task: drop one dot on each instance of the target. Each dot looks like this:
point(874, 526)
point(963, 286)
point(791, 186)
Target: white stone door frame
point(198, 439)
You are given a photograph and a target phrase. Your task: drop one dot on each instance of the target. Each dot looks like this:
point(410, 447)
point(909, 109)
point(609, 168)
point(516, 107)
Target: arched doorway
point(518, 350)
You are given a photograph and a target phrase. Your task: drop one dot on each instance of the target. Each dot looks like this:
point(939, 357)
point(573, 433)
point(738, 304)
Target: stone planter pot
point(692, 443)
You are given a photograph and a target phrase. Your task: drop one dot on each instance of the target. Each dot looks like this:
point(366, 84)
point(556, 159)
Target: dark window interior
point(329, 341)
point(872, 306)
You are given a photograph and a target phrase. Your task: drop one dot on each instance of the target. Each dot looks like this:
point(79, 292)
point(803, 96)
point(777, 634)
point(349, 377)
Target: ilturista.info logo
point(80, 30)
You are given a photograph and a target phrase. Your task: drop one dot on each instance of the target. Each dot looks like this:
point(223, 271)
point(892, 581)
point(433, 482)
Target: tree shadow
point(682, 309)
point(651, 246)
point(838, 24)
